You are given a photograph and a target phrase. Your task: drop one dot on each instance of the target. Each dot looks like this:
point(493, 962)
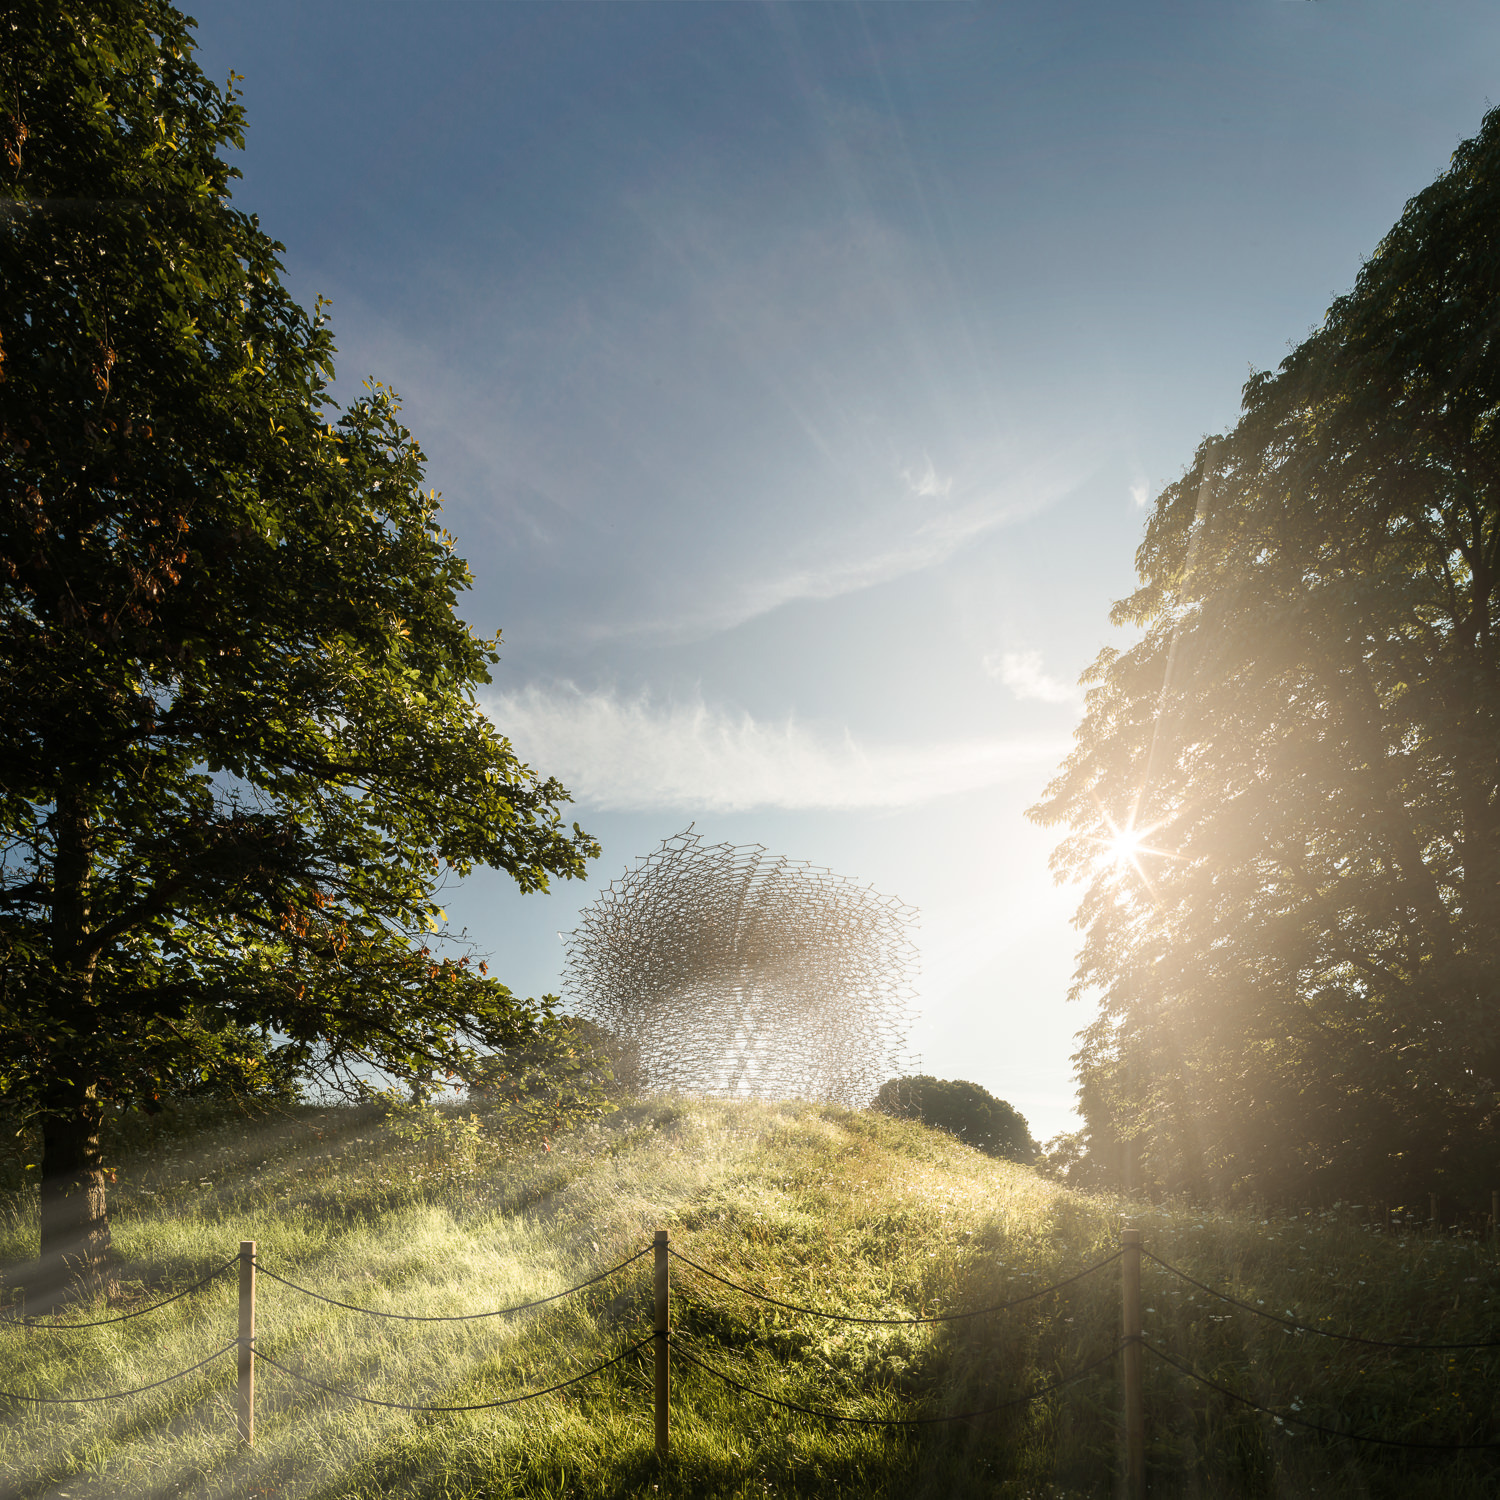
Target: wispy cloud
point(886, 547)
point(622, 753)
point(1023, 673)
point(926, 483)
point(1140, 493)
point(925, 546)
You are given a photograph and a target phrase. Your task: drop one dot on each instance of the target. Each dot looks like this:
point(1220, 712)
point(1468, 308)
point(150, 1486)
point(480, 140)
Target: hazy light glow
point(1126, 848)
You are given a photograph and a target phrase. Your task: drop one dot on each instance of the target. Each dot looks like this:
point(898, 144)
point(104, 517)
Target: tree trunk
point(75, 1249)
point(75, 1222)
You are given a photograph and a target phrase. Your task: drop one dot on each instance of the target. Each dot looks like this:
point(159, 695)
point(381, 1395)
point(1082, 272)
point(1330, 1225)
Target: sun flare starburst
point(1126, 846)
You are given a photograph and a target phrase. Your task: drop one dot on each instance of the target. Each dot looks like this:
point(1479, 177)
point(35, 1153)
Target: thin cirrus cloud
point(635, 753)
point(1023, 673)
point(927, 483)
point(839, 563)
point(844, 570)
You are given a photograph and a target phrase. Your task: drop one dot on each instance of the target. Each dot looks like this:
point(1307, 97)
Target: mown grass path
point(846, 1211)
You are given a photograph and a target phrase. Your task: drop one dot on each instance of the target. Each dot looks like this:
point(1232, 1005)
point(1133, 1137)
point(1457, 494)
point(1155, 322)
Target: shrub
point(563, 1074)
point(963, 1109)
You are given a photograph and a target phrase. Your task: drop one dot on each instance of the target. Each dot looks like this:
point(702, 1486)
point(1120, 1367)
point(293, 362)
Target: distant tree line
point(1284, 799)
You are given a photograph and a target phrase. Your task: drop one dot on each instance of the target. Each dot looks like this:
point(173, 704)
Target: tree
point(963, 1109)
point(239, 742)
point(1285, 797)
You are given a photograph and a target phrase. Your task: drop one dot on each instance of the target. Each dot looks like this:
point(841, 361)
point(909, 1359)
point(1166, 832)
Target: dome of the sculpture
point(728, 970)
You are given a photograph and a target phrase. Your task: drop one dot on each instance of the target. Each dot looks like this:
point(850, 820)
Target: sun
point(1125, 845)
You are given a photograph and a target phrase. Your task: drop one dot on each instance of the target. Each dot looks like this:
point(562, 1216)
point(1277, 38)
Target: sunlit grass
point(842, 1210)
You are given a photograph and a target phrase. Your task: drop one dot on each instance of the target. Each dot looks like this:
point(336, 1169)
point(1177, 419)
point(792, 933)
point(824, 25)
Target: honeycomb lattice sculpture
point(728, 971)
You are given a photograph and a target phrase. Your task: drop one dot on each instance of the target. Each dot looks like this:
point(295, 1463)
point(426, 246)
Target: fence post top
point(247, 1248)
point(1131, 1236)
point(661, 1237)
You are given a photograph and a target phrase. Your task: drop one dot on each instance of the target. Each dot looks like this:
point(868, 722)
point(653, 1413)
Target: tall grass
point(848, 1211)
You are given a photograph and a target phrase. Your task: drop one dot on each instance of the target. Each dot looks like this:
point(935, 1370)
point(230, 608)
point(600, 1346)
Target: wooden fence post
point(1432, 1199)
point(1495, 1212)
point(245, 1394)
point(1135, 1409)
point(661, 1343)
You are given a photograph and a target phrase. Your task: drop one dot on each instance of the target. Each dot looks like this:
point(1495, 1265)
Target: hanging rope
point(562, 1385)
point(118, 1395)
point(499, 1312)
point(837, 1416)
point(1327, 1333)
point(1281, 1416)
point(139, 1312)
point(815, 1312)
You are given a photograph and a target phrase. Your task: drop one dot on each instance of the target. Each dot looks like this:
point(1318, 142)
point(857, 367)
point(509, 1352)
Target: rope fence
point(664, 1344)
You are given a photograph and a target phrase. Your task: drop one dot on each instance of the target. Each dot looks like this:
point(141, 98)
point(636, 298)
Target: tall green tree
point(1284, 799)
point(239, 741)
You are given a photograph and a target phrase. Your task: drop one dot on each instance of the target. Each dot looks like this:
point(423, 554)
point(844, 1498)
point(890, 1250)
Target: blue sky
point(796, 378)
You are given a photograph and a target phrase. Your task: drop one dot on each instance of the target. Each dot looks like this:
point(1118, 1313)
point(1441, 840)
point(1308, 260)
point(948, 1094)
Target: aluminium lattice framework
point(733, 971)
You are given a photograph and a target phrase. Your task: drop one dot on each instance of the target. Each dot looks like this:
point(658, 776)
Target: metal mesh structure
point(736, 972)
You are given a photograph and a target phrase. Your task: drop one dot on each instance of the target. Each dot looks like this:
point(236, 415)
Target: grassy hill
point(846, 1211)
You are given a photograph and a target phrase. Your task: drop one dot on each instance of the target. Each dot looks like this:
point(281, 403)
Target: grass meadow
point(845, 1210)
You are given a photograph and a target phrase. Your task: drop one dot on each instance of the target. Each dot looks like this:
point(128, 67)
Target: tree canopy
point(240, 746)
point(1284, 799)
point(961, 1108)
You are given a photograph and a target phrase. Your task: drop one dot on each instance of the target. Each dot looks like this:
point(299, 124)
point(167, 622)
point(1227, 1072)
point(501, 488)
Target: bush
point(963, 1109)
point(562, 1075)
